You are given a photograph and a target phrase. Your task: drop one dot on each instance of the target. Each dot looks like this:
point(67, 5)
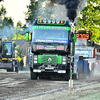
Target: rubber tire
point(40, 77)
point(67, 76)
point(33, 75)
point(91, 73)
point(75, 76)
point(16, 69)
point(11, 70)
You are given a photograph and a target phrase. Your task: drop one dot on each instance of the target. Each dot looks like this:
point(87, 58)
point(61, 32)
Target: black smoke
point(71, 6)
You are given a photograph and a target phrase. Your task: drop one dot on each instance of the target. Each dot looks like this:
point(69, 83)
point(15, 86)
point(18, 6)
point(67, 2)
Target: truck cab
point(7, 56)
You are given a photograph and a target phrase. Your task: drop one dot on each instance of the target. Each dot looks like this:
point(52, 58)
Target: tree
point(8, 21)
point(2, 15)
point(39, 9)
point(19, 36)
point(31, 14)
point(46, 10)
point(19, 52)
point(3, 11)
point(1, 0)
point(90, 19)
point(19, 24)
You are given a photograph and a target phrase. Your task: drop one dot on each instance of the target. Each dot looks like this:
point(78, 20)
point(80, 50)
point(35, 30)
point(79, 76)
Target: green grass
point(95, 96)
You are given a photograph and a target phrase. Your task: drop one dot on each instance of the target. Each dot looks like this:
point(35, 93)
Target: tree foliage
point(39, 9)
point(19, 52)
point(90, 19)
point(5, 21)
point(31, 14)
point(1, 0)
point(18, 36)
point(2, 11)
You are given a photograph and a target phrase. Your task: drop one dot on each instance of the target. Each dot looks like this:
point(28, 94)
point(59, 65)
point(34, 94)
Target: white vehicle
point(85, 50)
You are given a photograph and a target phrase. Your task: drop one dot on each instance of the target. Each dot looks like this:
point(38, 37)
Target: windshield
point(8, 47)
point(81, 42)
point(50, 34)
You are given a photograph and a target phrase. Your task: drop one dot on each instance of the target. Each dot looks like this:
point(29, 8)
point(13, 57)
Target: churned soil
point(19, 86)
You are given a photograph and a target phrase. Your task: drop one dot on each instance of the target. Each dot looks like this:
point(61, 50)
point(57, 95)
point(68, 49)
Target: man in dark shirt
point(21, 64)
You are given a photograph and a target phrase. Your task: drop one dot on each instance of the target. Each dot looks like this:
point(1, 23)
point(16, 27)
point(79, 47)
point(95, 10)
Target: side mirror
point(27, 35)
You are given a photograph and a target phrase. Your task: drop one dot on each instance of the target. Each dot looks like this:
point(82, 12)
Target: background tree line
point(88, 18)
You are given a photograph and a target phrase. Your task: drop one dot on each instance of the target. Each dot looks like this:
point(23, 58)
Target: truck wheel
point(40, 77)
point(76, 76)
point(16, 69)
point(33, 75)
point(9, 70)
point(91, 73)
point(67, 77)
point(13, 68)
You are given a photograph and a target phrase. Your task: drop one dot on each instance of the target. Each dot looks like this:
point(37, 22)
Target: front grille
point(49, 59)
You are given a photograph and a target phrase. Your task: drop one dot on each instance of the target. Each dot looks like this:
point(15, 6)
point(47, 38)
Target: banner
point(51, 41)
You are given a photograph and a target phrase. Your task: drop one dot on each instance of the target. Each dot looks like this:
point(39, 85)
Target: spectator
point(29, 62)
point(4, 50)
point(21, 64)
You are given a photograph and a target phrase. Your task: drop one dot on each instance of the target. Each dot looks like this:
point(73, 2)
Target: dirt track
point(18, 86)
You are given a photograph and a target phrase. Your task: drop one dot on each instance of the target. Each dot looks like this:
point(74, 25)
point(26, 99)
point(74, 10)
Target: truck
point(8, 60)
point(84, 58)
point(55, 52)
point(52, 45)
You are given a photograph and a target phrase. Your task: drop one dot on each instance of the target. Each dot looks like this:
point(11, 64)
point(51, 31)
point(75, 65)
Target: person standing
point(21, 64)
point(29, 62)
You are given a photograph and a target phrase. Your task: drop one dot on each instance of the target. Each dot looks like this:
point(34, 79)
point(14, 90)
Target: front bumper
point(43, 70)
point(5, 65)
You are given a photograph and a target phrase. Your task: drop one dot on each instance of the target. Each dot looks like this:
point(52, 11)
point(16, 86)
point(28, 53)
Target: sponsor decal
point(52, 27)
point(83, 53)
point(51, 41)
point(50, 47)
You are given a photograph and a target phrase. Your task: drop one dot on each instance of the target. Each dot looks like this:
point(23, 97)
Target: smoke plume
point(73, 7)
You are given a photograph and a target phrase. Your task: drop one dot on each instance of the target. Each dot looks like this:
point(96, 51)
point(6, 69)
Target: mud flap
point(85, 67)
point(82, 68)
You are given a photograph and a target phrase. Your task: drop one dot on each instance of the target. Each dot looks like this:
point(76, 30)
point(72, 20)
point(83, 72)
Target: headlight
point(63, 58)
point(68, 60)
point(35, 58)
point(63, 62)
point(35, 62)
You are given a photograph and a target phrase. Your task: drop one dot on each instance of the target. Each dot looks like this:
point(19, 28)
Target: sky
point(15, 9)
